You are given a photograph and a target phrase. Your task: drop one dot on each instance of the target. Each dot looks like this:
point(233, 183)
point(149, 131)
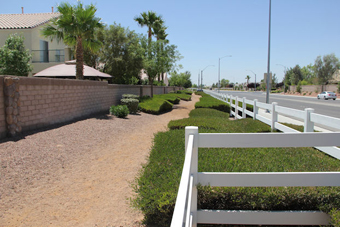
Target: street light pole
point(202, 75)
point(284, 78)
point(255, 77)
point(268, 65)
point(198, 82)
point(219, 83)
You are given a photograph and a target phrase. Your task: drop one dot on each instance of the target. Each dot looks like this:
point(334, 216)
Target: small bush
point(120, 111)
point(298, 87)
point(130, 96)
point(132, 104)
point(338, 87)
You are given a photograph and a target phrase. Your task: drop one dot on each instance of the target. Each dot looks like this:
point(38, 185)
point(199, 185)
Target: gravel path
point(79, 174)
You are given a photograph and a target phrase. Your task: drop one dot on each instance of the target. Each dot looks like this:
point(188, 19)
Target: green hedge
point(169, 97)
point(158, 182)
point(131, 103)
point(206, 101)
point(155, 106)
point(184, 92)
point(161, 103)
point(130, 96)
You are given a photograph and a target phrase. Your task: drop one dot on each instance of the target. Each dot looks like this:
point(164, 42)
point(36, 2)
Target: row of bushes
point(131, 103)
point(163, 103)
point(157, 185)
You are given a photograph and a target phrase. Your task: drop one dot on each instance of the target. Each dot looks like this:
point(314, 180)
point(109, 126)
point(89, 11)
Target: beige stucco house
point(45, 53)
point(144, 76)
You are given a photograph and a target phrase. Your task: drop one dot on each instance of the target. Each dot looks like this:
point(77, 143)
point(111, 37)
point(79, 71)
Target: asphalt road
point(325, 107)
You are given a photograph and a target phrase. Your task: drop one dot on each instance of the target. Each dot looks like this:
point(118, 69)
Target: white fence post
point(236, 105)
point(274, 115)
point(308, 124)
point(231, 102)
point(193, 130)
point(255, 109)
point(244, 108)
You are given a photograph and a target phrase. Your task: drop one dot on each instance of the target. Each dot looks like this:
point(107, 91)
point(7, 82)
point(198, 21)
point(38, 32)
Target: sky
point(205, 31)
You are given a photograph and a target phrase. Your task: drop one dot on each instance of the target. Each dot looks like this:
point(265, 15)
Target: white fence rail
point(186, 213)
point(307, 116)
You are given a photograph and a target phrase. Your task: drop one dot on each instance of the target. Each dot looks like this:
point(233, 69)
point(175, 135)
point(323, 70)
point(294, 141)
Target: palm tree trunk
point(79, 59)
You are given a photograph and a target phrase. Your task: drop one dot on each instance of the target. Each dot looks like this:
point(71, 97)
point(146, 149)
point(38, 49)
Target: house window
point(44, 51)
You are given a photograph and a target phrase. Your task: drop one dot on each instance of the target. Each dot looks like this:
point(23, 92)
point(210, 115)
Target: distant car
point(327, 95)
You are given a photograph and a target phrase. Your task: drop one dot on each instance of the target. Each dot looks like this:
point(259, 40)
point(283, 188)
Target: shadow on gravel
point(99, 116)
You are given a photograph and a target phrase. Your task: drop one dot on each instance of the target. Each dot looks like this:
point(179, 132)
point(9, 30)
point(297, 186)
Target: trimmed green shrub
point(120, 111)
point(206, 101)
point(155, 105)
point(184, 92)
point(132, 104)
point(183, 96)
point(169, 97)
point(130, 96)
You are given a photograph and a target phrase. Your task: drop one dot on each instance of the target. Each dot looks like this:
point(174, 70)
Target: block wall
point(3, 130)
point(45, 102)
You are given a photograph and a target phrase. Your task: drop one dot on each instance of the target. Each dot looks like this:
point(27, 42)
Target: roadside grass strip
point(157, 185)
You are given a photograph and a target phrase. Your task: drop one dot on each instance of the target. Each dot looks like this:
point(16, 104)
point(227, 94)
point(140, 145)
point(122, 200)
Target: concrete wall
point(315, 88)
point(45, 102)
point(3, 130)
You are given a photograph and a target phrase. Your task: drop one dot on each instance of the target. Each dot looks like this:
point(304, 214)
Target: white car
point(327, 95)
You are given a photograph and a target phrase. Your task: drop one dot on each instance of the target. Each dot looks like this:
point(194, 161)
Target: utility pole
point(268, 65)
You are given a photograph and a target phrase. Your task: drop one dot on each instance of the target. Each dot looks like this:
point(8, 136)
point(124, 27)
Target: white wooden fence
point(186, 213)
point(307, 116)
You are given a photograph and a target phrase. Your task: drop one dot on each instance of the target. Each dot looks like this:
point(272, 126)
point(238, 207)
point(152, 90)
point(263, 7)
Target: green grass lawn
point(158, 182)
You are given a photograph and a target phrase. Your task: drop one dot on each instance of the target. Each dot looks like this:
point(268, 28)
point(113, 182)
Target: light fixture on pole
point(202, 75)
point(268, 64)
point(255, 77)
point(219, 82)
point(284, 78)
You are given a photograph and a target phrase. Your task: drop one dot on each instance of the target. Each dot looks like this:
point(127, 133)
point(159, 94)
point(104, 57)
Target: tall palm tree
point(148, 19)
point(75, 26)
point(159, 29)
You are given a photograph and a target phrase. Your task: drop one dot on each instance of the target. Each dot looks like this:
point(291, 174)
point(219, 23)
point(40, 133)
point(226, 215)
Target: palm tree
point(75, 26)
point(159, 32)
point(159, 29)
point(247, 78)
point(148, 19)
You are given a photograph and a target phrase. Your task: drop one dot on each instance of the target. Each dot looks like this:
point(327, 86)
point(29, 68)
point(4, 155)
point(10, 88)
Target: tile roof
point(28, 20)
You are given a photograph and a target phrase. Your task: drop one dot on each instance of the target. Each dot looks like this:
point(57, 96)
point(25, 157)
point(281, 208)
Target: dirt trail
point(79, 174)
